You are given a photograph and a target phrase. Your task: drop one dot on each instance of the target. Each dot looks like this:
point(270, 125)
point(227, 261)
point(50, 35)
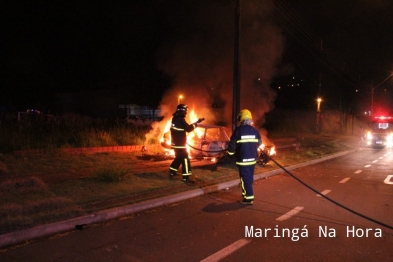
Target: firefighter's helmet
point(182, 108)
point(243, 115)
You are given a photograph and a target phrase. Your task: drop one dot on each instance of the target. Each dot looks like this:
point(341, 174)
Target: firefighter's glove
point(200, 120)
point(231, 156)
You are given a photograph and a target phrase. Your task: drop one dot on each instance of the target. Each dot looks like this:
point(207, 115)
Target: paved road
point(216, 227)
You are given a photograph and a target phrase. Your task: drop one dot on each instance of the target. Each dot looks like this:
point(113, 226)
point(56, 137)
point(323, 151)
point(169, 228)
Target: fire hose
point(261, 160)
point(328, 198)
point(210, 151)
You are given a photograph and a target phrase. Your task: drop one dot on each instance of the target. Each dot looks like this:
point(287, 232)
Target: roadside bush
point(110, 175)
point(68, 131)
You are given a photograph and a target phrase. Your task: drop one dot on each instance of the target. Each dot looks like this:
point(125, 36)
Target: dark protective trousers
point(181, 158)
point(247, 178)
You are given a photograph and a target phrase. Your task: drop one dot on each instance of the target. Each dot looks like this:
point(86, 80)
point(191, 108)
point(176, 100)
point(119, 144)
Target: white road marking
point(367, 165)
point(375, 161)
point(290, 213)
point(357, 172)
point(387, 180)
point(344, 180)
point(227, 250)
point(324, 192)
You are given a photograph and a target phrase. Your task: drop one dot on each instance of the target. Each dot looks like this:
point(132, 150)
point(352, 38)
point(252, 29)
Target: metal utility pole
point(236, 68)
point(318, 127)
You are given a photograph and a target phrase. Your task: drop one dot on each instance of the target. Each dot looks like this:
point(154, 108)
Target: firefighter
point(179, 128)
point(243, 146)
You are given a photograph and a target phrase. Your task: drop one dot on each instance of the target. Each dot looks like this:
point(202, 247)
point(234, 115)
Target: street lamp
point(179, 98)
point(319, 100)
point(318, 127)
point(372, 92)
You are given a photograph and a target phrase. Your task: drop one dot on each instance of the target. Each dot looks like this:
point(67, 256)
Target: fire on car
point(206, 141)
point(210, 142)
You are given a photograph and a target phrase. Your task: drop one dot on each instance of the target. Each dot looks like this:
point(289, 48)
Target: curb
point(18, 237)
point(96, 149)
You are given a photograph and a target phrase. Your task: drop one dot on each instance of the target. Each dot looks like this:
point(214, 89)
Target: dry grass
point(27, 202)
point(38, 189)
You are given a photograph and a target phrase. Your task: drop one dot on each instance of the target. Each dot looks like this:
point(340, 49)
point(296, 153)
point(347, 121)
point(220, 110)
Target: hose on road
point(331, 200)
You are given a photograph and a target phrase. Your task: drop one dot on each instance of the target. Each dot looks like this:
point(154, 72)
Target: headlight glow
point(389, 140)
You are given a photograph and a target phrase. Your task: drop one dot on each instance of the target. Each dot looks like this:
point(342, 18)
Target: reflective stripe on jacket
point(179, 128)
point(244, 144)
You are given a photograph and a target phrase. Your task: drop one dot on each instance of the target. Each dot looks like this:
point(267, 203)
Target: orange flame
point(271, 149)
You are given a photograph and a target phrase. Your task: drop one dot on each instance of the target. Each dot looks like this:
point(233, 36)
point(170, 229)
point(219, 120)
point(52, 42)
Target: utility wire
point(302, 27)
point(300, 31)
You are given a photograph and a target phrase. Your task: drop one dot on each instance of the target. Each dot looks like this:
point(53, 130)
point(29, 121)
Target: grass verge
point(38, 189)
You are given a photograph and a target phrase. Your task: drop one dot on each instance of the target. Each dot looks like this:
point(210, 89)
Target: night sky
point(332, 48)
point(346, 46)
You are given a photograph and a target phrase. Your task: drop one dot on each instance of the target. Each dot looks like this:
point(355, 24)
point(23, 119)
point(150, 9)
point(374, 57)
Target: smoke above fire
point(198, 55)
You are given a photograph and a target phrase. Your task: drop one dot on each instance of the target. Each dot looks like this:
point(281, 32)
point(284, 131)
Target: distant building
point(141, 111)
point(102, 103)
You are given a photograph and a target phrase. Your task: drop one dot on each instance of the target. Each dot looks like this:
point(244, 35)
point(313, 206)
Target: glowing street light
point(318, 127)
point(180, 97)
point(319, 100)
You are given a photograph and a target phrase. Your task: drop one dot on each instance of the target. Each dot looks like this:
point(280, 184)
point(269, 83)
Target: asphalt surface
point(78, 223)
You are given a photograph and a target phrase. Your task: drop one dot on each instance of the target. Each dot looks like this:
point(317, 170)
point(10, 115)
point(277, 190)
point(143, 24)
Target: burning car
point(211, 142)
point(206, 141)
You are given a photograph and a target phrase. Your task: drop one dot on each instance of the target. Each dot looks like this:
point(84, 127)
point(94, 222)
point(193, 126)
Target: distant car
point(33, 111)
point(29, 115)
point(379, 133)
